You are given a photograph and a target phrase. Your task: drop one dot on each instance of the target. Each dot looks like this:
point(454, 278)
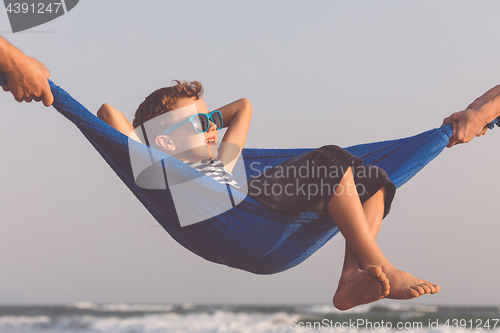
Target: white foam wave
point(218, 321)
point(410, 307)
point(124, 307)
point(391, 306)
point(329, 309)
point(87, 305)
point(21, 323)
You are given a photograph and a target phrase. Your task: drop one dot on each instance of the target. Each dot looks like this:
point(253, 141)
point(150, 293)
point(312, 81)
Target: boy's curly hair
point(164, 100)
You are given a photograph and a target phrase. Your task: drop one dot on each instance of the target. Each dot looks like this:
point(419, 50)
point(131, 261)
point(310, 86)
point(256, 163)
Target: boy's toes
point(416, 291)
point(361, 287)
point(413, 292)
point(386, 288)
point(377, 273)
point(430, 288)
point(426, 288)
point(437, 288)
point(433, 288)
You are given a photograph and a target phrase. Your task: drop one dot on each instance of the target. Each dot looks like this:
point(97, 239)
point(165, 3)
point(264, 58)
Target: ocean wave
point(220, 321)
point(87, 317)
point(125, 307)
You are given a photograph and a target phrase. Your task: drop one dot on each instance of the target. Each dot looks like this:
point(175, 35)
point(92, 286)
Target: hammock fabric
point(249, 236)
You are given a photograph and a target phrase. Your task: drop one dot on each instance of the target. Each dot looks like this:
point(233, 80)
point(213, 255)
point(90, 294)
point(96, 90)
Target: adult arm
point(26, 76)
point(236, 117)
point(472, 121)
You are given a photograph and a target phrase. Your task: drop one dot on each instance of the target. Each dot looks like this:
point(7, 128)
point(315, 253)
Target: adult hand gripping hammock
point(249, 236)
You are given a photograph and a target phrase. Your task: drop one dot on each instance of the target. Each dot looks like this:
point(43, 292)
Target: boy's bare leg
point(369, 284)
point(374, 212)
point(357, 286)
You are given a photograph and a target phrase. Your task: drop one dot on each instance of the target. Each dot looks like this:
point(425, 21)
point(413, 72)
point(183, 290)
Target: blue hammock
point(249, 236)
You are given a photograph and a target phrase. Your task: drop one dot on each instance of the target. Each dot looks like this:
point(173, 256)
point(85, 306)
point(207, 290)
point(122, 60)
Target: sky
point(322, 72)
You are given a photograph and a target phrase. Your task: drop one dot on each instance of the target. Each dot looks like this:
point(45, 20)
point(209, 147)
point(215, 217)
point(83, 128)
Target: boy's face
point(185, 143)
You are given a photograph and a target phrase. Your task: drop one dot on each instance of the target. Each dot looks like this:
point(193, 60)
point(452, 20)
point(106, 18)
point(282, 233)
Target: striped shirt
point(215, 170)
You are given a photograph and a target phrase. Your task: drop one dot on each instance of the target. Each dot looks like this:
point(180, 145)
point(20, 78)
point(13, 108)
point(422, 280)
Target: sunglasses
point(200, 122)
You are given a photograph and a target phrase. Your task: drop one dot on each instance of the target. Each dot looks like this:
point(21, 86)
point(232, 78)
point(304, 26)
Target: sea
point(191, 318)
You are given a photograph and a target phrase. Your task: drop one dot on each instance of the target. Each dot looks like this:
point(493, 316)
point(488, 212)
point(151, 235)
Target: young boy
point(357, 202)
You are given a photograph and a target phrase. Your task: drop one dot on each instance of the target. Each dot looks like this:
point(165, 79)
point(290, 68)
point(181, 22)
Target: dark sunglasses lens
point(217, 118)
point(200, 123)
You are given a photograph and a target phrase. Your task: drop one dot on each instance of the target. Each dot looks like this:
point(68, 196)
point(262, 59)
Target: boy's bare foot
point(406, 286)
point(361, 287)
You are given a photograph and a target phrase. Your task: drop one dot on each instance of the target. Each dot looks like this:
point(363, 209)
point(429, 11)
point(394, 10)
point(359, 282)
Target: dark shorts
point(307, 182)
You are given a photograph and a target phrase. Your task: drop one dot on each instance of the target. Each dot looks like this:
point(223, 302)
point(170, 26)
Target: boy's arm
point(115, 119)
point(236, 117)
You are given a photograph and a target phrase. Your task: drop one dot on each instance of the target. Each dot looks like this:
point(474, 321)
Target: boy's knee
point(330, 149)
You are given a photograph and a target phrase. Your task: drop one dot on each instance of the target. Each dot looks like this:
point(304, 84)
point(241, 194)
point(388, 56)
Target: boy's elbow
point(246, 104)
point(104, 111)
